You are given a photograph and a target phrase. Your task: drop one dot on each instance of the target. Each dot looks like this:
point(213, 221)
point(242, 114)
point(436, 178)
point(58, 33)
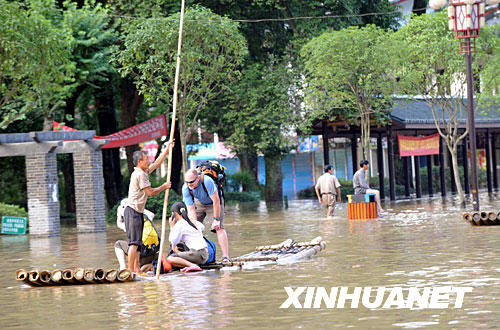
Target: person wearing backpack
point(202, 196)
point(182, 229)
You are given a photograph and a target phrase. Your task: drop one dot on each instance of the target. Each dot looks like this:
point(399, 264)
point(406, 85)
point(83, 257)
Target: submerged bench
point(361, 206)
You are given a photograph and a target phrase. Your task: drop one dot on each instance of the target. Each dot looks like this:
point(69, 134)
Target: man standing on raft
point(138, 192)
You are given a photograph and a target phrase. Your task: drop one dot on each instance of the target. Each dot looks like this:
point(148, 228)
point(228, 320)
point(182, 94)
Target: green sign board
point(13, 225)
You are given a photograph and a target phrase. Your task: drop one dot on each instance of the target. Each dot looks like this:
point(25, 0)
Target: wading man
point(138, 192)
point(201, 197)
point(361, 186)
point(328, 190)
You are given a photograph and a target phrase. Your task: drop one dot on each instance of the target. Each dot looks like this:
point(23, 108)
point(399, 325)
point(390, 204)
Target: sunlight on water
point(419, 243)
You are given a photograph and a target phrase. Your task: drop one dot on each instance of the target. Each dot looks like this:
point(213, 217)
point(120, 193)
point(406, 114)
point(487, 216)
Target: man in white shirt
point(328, 190)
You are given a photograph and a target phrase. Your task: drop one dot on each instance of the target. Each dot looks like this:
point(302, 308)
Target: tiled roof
point(417, 112)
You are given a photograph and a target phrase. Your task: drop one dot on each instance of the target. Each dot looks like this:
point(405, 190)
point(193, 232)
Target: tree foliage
point(34, 59)
point(91, 38)
point(430, 65)
point(260, 114)
point(348, 77)
point(212, 52)
point(488, 58)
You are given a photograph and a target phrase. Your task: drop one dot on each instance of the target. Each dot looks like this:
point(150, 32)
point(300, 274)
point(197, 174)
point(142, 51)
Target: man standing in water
point(361, 186)
point(327, 189)
point(201, 197)
point(138, 192)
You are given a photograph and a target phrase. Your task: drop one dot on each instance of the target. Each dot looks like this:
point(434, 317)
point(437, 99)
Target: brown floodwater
point(420, 243)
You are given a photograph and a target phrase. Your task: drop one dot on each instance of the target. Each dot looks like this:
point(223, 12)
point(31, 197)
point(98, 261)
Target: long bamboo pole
point(172, 130)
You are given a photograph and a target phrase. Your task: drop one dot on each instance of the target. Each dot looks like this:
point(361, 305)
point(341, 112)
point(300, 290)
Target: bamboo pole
point(68, 276)
point(79, 275)
point(172, 130)
point(111, 275)
point(56, 277)
point(257, 259)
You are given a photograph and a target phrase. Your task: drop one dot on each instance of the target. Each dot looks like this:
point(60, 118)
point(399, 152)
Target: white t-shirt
point(183, 231)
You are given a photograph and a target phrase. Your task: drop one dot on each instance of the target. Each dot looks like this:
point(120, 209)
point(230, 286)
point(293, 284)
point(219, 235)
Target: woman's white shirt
point(183, 231)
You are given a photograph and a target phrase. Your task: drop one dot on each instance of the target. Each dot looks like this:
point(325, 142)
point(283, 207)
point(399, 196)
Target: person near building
point(328, 190)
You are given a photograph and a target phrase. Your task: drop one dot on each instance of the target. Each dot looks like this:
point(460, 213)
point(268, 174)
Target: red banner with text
point(418, 145)
point(151, 129)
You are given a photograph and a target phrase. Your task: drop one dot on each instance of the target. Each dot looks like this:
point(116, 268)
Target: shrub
point(235, 196)
point(12, 210)
point(243, 179)
point(154, 204)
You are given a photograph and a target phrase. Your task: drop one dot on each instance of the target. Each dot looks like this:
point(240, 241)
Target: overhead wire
point(260, 20)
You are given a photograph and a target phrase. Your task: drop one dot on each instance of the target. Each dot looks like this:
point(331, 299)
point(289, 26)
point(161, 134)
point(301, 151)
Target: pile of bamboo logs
point(38, 277)
point(288, 251)
point(482, 218)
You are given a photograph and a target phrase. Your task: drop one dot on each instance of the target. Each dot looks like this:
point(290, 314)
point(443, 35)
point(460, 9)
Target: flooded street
point(420, 243)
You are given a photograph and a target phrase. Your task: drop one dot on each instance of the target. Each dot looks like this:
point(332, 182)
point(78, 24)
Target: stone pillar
point(89, 192)
point(43, 199)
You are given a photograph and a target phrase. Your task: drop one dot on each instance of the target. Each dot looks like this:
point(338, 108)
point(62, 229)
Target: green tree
point(34, 60)
point(347, 78)
point(430, 64)
point(260, 118)
point(488, 58)
point(91, 41)
point(212, 51)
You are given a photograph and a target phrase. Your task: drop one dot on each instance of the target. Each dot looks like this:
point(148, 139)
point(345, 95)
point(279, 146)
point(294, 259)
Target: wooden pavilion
point(415, 118)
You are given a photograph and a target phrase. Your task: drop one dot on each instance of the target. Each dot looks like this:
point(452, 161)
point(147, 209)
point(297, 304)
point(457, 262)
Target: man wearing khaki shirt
point(328, 190)
point(138, 192)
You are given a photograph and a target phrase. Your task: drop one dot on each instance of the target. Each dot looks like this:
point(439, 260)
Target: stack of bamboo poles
point(285, 252)
point(482, 218)
point(38, 277)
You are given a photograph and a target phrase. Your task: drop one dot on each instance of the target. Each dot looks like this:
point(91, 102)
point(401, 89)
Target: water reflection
point(419, 243)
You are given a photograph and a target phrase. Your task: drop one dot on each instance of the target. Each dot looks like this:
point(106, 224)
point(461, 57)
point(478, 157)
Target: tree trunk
point(67, 162)
point(182, 126)
point(48, 121)
point(454, 160)
point(274, 178)
point(131, 102)
point(365, 140)
point(69, 183)
point(106, 115)
point(177, 174)
point(249, 163)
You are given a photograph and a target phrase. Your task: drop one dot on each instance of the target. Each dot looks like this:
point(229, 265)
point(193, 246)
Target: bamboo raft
point(482, 218)
point(38, 277)
point(286, 252)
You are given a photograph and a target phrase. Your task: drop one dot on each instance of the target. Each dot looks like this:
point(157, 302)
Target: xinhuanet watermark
point(438, 297)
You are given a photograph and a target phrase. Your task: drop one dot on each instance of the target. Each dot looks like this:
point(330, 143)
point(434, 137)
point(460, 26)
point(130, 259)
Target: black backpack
point(216, 172)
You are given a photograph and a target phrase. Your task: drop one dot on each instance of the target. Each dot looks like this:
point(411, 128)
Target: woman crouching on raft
point(182, 231)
